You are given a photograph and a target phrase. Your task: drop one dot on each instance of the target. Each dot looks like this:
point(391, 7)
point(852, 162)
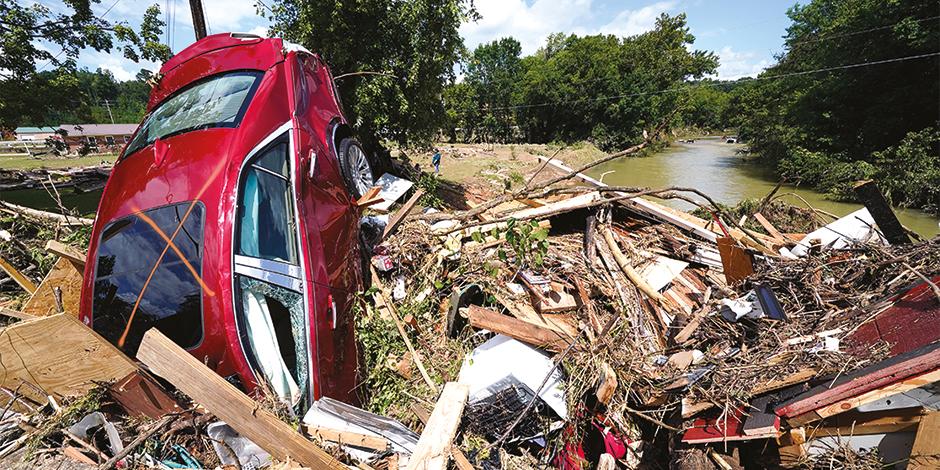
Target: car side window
point(269, 303)
point(266, 225)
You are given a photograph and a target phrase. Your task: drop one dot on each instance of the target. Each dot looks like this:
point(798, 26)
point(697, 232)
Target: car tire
point(356, 167)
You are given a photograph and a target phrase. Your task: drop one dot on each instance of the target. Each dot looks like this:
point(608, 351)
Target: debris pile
point(566, 324)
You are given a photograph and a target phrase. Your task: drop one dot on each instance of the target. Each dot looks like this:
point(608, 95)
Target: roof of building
point(81, 130)
point(34, 130)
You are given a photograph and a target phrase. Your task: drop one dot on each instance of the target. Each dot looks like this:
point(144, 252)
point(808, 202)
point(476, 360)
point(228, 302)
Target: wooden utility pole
point(199, 19)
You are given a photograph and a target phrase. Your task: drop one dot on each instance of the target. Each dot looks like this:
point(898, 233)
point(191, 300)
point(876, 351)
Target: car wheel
point(356, 167)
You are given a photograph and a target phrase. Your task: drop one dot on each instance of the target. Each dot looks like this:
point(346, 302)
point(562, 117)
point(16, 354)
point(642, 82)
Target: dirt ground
point(484, 170)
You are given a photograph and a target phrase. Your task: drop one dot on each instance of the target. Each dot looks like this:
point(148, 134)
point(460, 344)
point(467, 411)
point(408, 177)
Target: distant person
point(436, 161)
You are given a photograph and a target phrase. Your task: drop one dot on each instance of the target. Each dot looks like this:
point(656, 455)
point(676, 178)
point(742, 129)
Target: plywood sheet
point(59, 355)
point(66, 276)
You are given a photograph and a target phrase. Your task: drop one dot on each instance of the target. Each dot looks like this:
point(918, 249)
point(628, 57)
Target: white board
point(393, 188)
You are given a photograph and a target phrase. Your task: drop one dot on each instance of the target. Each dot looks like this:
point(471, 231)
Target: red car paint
point(204, 165)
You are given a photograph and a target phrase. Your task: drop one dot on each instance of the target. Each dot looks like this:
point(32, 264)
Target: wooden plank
point(863, 380)
point(65, 251)
point(60, 355)
point(141, 396)
point(871, 197)
point(370, 198)
point(434, 445)
point(926, 450)
point(517, 329)
point(561, 323)
point(17, 276)
point(854, 423)
point(9, 312)
point(222, 399)
point(769, 227)
point(879, 393)
point(345, 437)
point(402, 213)
point(68, 278)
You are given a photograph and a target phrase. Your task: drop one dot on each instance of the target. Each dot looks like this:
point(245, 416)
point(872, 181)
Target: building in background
point(34, 134)
point(100, 138)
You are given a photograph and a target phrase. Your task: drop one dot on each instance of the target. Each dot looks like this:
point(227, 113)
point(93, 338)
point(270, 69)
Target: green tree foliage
point(825, 128)
point(602, 88)
point(415, 42)
point(26, 93)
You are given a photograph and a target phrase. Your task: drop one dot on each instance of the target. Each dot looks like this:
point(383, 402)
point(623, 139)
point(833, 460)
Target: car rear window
point(217, 101)
point(168, 297)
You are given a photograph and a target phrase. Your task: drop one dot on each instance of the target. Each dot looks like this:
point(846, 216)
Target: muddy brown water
point(715, 168)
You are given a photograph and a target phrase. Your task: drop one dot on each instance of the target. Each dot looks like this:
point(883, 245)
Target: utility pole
point(107, 104)
point(199, 19)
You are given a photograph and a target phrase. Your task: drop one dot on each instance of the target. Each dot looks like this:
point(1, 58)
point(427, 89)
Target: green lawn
point(25, 162)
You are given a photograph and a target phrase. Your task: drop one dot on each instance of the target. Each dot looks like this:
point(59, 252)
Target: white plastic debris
point(747, 306)
point(333, 414)
point(857, 227)
point(94, 420)
point(502, 359)
point(393, 188)
point(247, 454)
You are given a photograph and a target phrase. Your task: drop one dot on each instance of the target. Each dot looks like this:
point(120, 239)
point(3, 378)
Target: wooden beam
point(344, 437)
point(222, 399)
point(926, 451)
point(868, 194)
point(631, 273)
point(854, 423)
point(434, 445)
point(769, 227)
point(17, 276)
point(905, 385)
point(60, 355)
point(370, 198)
point(402, 213)
point(528, 333)
point(66, 251)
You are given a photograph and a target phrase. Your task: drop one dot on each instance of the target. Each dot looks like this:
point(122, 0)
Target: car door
point(269, 285)
point(330, 218)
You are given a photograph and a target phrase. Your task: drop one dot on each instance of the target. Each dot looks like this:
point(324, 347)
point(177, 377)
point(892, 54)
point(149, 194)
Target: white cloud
point(531, 23)
point(734, 65)
point(632, 22)
point(259, 31)
point(119, 66)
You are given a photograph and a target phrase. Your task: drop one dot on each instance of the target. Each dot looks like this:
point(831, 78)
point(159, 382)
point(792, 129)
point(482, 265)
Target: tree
point(27, 93)
point(822, 120)
point(608, 89)
point(493, 72)
point(416, 43)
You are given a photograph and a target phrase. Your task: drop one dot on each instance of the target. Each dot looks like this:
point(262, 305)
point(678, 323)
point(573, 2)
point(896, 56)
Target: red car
point(229, 222)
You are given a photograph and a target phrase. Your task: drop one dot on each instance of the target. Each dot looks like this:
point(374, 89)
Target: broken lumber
point(769, 227)
point(65, 251)
point(38, 214)
point(222, 399)
point(382, 301)
point(17, 276)
point(9, 312)
point(345, 437)
point(68, 278)
point(60, 355)
point(926, 450)
point(402, 213)
point(631, 273)
point(434, 445)
point(370, 198)
point(517, 329)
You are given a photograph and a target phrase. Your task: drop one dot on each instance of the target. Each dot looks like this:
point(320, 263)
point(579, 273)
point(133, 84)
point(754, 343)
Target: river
point(715, 168)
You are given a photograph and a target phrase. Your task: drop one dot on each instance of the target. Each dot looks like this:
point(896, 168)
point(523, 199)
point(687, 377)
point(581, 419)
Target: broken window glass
point(217, 101)
point(130, 296)
point(273, 331)
point(265, 213)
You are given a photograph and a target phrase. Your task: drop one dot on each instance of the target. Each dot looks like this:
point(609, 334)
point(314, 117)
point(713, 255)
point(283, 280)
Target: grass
point(25, 162)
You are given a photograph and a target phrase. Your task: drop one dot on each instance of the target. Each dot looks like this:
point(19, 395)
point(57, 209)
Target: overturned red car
point(229, 221)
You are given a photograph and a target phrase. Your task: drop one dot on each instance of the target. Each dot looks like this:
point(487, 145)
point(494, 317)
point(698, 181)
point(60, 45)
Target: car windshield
point(218, 101)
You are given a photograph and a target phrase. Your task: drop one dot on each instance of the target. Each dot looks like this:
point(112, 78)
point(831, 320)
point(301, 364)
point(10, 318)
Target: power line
point(855, 33)
point(675, 89)
point(43, 66)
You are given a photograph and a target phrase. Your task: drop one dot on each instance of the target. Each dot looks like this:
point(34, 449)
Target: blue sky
point(745, 33)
